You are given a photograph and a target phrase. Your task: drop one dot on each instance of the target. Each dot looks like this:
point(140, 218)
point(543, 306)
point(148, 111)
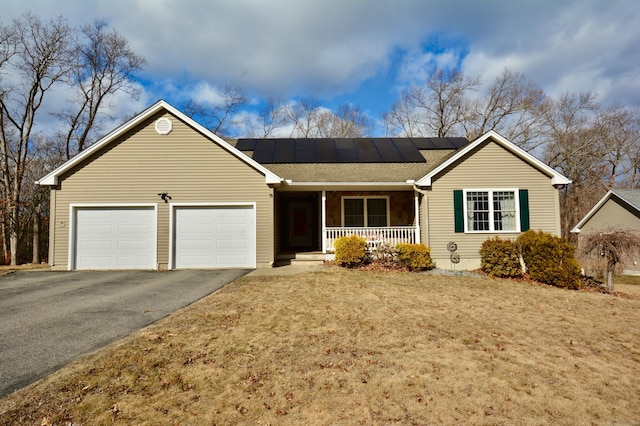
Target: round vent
point(164, 126)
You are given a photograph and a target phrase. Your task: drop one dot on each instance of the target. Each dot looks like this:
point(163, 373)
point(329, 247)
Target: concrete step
point(300, 258)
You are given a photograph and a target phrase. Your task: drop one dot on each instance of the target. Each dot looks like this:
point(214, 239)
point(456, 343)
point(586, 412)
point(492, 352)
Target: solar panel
point(458, 142)
point(264, 150)
point(346, 150)
point(284, 151)
point(246, 144)
point(326, 151)
point(305, 151)
point(388, 151)
point(367, 150)
point(408, 151)
point(423, 143)
point(441, 143)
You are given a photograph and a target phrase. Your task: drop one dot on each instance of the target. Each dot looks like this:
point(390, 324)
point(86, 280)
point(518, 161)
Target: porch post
point(324, 221)
point(416, 203)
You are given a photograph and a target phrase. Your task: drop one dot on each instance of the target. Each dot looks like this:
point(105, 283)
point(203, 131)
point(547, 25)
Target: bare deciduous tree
point(618, 131)
point(309, 119)
point(437, 108)
point(347, 122)
point(217, 117)
point(104, 65)
point(615, 245)
point(272, 117)
point(304, 117)
point(35, 55)
point(509, 108)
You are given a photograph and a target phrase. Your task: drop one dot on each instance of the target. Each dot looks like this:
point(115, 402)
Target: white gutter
point(407, 184)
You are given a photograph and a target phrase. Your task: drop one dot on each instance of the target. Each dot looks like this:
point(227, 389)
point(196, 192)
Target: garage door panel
point(133, 246)
point(95, 245)
point(133, 230)
point(95, 229)
point(214, 237)
point(115, 238)
point(232, 244)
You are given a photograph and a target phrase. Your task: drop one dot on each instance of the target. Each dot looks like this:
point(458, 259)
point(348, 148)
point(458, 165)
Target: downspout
point(417, 209)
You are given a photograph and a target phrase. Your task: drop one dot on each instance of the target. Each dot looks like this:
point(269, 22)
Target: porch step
point(300, 258)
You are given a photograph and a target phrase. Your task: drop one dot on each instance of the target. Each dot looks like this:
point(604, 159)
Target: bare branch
point(616, 245)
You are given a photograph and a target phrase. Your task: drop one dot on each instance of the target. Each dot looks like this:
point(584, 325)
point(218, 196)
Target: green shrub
point(350, 251)
point(550, 259)
point(416, 257)
point(500, 258)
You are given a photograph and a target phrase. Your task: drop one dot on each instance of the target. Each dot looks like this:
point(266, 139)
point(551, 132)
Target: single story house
point(163, 192)
point(618, 208)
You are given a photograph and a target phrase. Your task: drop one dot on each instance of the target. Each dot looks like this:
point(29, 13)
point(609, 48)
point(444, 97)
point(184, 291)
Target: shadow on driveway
point(48, 319)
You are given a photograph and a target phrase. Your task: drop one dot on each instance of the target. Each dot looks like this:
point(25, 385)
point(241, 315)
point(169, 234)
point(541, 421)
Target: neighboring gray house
point(618, 208)
point(163, 192)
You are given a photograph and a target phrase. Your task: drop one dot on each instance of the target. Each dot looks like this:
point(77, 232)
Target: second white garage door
point(214, 237)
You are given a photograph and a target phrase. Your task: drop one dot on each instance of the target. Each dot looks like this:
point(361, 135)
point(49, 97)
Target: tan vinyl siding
point(611, 214)
point(184, 163)
point(489, 167)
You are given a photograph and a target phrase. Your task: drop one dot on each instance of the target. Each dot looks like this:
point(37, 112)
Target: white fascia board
point(337, 186)
point(292, 183)
point(576, 229)
point(556, 178)
point(52, 177)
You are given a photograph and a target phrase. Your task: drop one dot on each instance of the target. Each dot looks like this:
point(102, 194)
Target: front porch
point(311, 221)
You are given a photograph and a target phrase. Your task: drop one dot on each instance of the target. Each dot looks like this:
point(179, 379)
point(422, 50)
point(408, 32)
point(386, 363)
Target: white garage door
point(214, 237)
point(115, 238)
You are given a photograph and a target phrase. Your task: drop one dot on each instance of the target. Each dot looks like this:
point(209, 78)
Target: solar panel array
point(345, 150)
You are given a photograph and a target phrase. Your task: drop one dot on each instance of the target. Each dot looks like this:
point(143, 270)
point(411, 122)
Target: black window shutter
point(524, 210)
point(458, 210)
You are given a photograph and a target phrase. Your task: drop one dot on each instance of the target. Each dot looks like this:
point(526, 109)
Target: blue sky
point(361, 51)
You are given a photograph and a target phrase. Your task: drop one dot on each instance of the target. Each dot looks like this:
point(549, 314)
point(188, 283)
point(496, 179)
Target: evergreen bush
point(416, 257)
point(350, 251)
point(550, 259)
point(501, 258)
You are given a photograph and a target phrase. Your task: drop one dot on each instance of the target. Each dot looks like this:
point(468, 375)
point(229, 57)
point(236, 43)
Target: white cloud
point(207, 94)
point(286, 48)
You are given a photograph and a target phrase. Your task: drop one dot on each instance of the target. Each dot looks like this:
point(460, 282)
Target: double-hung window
point(491, 210)
point(365, 211)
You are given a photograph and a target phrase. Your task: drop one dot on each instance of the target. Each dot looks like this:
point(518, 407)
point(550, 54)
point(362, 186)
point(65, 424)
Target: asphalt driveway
point(48, 319)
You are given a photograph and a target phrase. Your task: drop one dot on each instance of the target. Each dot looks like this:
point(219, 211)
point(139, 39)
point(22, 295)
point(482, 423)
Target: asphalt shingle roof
point(632, 196)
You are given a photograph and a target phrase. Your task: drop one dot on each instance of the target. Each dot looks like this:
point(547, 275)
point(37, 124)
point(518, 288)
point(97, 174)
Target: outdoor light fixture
point(165, 196)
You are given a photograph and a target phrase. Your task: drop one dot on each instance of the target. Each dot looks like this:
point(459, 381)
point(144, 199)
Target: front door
point(300, 224)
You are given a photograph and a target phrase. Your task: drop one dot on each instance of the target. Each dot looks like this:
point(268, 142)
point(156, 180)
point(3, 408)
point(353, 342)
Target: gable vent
point(164, 126)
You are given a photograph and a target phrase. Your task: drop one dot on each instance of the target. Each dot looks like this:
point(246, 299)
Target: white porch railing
point(390, 235)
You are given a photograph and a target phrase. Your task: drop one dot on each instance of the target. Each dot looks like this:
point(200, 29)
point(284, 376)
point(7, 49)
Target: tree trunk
point(611, 268)
point(13, 233)
point(14, 247)
point(5, 240)
point(36, 236)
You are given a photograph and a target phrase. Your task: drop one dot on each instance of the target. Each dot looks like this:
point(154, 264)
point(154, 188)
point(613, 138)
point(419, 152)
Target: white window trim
point(365, 198)
point(516, 194)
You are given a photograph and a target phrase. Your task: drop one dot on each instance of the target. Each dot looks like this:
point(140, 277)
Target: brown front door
point(300, 224)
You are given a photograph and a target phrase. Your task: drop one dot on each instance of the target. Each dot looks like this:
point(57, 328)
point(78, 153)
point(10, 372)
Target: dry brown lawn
point(354, 347)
